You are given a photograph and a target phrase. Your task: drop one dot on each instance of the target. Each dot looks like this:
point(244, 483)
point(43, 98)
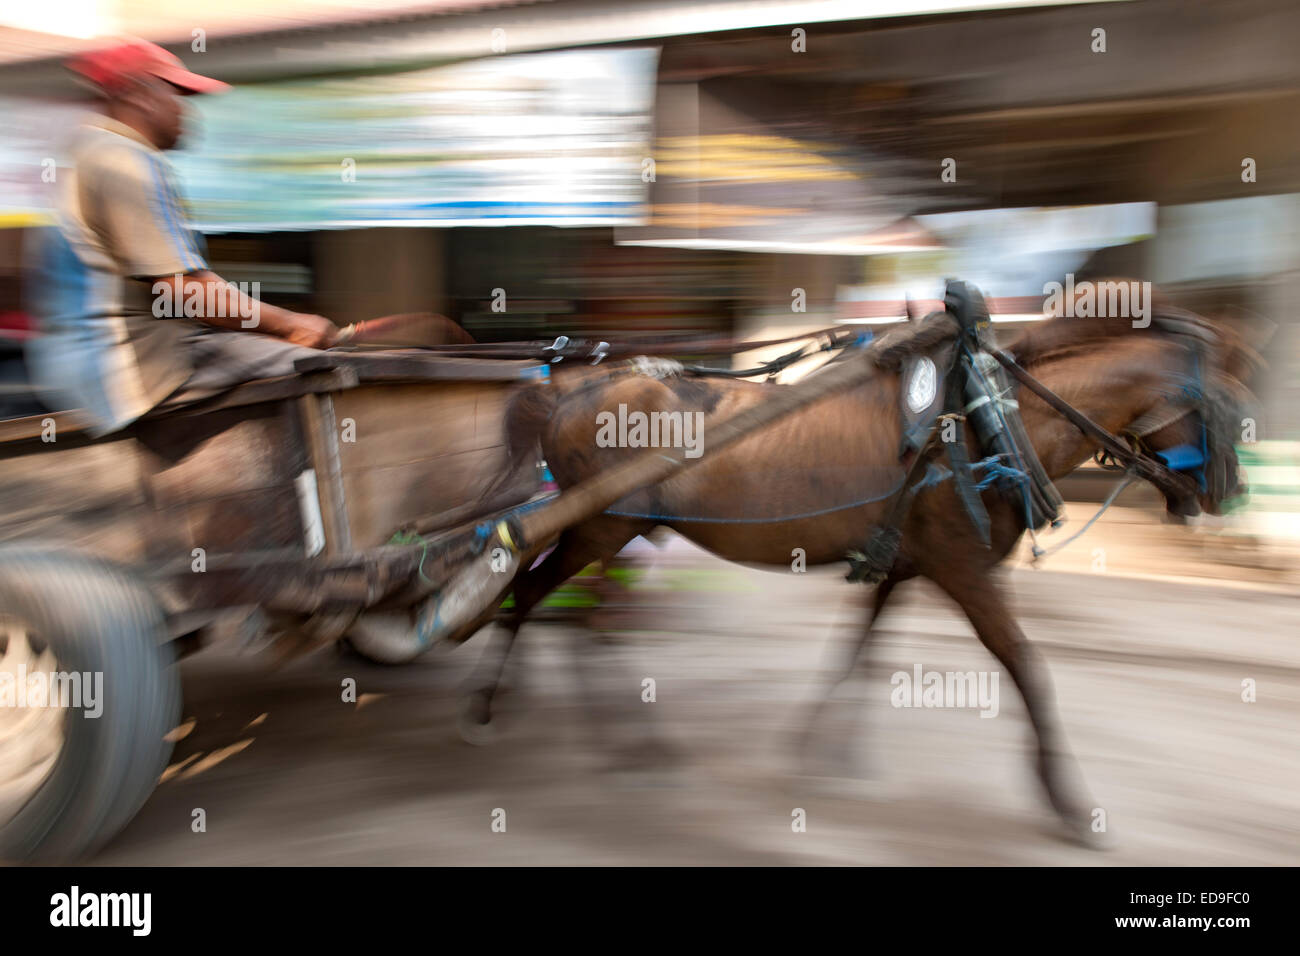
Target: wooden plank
point(32, 427)
point(383, 499)
point(68, 480)
point(519, 491)
point(261, 520)
point(396, 424)
point(269, 390)
point(219, 455)
point(320, 432)
point(265, 390)
point(222, 481)
point(282, 579)
point(115, 533)
point(408, 451)
point(419, 366)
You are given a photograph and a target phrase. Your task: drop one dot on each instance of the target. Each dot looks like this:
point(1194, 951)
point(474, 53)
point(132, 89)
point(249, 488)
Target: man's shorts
point(223, 359)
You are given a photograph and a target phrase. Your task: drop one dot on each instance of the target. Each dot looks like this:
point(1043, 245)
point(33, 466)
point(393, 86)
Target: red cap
point(110, 68)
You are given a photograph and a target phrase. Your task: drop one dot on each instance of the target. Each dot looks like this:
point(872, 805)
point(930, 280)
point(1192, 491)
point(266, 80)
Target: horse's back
point(815, 480)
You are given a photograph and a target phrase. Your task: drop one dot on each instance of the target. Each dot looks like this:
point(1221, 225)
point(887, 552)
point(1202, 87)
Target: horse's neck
point(1112, 397)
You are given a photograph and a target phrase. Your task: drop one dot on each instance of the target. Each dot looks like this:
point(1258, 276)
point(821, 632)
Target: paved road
point(1148, 677)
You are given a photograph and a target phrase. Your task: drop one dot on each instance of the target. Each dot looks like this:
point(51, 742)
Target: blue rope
point(532, 505)
point(808, 514)
point(995, 471)
point(935, 475)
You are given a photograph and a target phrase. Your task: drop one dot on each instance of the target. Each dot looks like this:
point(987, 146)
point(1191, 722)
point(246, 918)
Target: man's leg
point(224, 359)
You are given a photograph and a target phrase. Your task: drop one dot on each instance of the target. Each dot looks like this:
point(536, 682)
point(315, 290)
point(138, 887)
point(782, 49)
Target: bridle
point(1194, 458)
point(1177, 472)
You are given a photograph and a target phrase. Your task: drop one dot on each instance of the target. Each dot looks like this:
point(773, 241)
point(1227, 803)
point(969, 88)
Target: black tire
point(94, 617)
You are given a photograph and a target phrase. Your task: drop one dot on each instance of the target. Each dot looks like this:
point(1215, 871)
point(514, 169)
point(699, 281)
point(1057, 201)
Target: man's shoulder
point(101, 154)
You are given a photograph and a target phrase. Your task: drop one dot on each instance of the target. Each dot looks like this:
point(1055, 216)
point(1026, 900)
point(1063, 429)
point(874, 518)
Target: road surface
point(1148, 673)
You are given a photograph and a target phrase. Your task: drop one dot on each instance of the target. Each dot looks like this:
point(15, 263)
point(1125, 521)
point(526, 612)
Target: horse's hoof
point(1060, 779)
point(474, 723)
point(476, 734)
point(1077, 828)
point(1083, 835)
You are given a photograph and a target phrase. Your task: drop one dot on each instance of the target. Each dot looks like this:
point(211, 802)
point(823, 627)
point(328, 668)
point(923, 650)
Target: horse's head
point(1203, 414)
point(1194, 447)
point(1174, 386)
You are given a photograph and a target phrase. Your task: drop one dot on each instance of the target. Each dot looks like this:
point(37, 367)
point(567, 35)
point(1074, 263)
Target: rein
point(835, 340)
point(1136, 461)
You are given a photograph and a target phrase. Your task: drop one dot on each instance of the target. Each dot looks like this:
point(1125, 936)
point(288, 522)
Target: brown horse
point(818, 480)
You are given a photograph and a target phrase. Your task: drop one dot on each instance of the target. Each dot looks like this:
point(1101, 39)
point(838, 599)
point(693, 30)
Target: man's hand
point(313, 331)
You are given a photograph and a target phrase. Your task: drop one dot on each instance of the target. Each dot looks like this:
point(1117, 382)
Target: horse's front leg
point(980, 597)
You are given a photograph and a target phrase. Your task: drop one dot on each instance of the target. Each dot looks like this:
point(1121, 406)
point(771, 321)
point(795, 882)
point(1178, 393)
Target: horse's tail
point(527, 413)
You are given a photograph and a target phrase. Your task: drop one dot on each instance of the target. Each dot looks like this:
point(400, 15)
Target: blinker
point(1182, 457)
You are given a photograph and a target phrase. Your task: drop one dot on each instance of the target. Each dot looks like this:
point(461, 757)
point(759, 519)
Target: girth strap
point(962, 474)
point(873, 563)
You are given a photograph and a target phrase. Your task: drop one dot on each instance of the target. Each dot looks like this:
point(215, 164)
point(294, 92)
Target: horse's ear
point(1246, 335)
point(1254, 330)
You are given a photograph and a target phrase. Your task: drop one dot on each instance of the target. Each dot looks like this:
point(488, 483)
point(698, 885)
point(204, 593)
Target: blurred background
point(673, 166)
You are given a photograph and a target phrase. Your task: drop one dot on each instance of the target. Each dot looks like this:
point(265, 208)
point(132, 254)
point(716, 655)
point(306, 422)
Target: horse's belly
point(791, 544)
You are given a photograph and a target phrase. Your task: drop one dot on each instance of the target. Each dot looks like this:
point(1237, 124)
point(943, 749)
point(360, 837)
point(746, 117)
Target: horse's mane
point(1225, 388)
point(1065, 336)
point(1062, 337)
point(1059, 337)
point(896, 345)
point(1054, 338)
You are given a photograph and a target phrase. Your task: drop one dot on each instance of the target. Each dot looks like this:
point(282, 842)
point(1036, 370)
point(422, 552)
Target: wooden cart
point(282, 500)
point(285, 503)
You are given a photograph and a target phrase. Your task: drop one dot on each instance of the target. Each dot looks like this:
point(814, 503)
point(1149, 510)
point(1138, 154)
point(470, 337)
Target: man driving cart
point(131, 315)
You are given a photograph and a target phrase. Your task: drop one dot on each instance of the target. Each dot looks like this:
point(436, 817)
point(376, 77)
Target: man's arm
point(135, 208)
point(206, 296)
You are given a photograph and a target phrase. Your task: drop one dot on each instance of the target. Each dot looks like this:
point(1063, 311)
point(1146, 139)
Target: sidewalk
point(1137, 543)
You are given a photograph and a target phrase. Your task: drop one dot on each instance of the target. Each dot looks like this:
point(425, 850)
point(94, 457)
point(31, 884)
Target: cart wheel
point(74, 770)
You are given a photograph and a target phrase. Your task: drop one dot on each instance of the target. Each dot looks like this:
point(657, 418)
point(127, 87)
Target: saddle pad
point(922, 391)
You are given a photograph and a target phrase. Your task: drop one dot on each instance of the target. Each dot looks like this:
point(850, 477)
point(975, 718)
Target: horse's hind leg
point(578, 547)
point(982, 600)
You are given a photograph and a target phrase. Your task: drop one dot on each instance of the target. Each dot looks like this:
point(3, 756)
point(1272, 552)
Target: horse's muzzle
point(1239, 488)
